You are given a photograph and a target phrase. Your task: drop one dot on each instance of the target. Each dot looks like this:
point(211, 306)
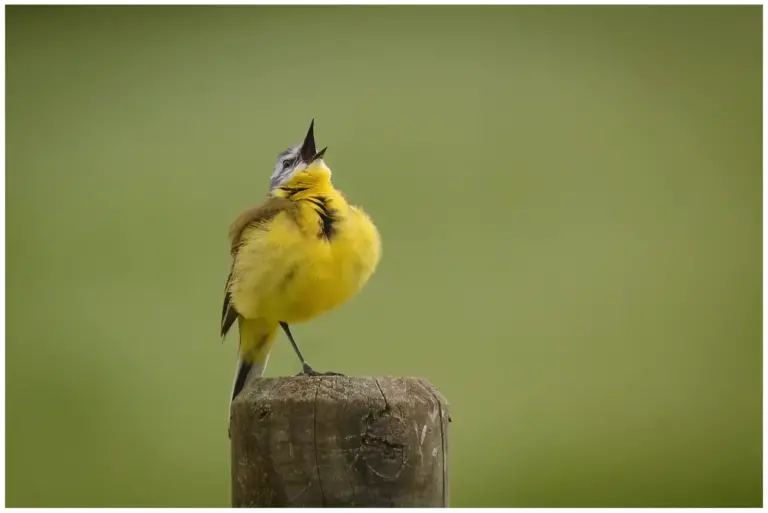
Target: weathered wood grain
point(338, 441)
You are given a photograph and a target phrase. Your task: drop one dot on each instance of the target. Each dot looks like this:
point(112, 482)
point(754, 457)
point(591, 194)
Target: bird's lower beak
point(319, 154)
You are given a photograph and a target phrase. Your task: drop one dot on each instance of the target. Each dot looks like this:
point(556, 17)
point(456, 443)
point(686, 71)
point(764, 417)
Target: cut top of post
point(340, 441)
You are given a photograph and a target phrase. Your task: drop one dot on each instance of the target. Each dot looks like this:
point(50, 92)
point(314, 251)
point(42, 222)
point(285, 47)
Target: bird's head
point(301, 161)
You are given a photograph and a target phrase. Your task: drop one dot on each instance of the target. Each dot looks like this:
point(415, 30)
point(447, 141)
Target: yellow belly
point(286, 274)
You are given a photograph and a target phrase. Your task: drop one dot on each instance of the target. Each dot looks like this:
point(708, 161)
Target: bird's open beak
point(319, 154)
point(308, 151)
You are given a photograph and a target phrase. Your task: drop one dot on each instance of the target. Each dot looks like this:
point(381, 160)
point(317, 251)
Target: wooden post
point(338, 441)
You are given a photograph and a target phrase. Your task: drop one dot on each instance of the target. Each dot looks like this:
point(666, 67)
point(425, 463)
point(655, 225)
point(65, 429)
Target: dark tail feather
point(242, 376)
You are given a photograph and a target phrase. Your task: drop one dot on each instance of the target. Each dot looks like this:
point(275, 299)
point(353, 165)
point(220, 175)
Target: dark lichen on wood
point(338, 441)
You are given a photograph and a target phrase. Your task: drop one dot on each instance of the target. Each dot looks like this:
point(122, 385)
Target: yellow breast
point(332, 271)
point(292, 272)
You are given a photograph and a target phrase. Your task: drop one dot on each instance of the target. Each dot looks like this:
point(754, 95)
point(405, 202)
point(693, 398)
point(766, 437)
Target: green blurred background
point(570, 206)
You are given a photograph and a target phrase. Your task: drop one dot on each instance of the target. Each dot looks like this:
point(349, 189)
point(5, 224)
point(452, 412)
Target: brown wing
point(255, 216)
point(228, 314)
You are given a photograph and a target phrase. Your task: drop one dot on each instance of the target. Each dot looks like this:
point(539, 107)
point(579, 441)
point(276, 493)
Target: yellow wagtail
point(303, 251)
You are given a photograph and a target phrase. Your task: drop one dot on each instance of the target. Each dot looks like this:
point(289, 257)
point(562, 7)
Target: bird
point(303, 251)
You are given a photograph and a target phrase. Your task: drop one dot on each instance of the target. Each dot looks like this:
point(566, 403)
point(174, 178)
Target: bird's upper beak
point(308, 151)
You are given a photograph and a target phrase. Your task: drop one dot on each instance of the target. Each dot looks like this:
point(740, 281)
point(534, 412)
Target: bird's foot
point(309, 371)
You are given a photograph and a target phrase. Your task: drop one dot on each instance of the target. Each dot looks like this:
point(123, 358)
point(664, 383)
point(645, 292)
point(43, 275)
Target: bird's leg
point(306, 369)
point(304, 365)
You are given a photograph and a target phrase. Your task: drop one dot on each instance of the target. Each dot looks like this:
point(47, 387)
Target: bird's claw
point(309, 371)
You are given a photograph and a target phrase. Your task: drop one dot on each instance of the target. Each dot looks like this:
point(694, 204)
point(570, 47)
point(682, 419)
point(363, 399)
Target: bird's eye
point(287, 163)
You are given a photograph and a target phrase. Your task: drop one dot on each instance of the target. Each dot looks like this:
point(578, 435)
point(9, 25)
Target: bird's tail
point(256, 338)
